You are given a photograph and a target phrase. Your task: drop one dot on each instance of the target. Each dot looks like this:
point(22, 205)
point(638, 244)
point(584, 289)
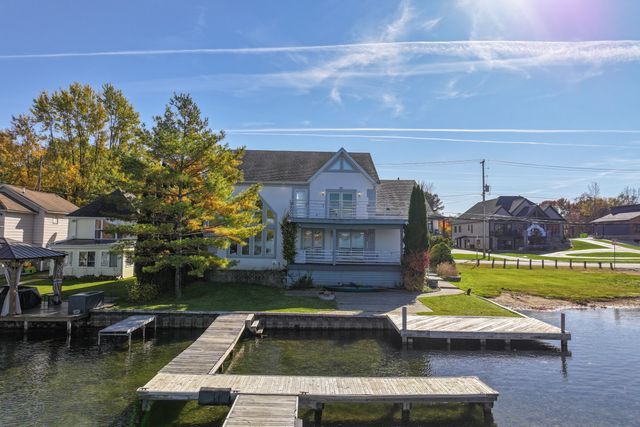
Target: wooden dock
point(128, 326)
point(316, 391)
point(473, 327)
point(50, 314)
point(207, 354)
point(256, 410)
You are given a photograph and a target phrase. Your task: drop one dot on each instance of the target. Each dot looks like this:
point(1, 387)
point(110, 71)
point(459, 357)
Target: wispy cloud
point(391, 101)
point(405, 138)
point(430, 24)
point(335, 95)
point(437, 130)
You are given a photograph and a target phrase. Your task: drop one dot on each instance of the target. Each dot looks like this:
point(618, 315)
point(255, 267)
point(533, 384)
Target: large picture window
point(262, 244)
point(86, 259)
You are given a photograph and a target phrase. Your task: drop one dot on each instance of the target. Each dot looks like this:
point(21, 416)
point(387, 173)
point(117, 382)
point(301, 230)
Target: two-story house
point(90, 241)
point(511, 223)
point(622, 223)
point(33, 217)
point(350, 222)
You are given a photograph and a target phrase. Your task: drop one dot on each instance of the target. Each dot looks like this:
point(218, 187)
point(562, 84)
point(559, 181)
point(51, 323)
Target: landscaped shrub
point(414, 266)
point(447, 269)
point(438, 254)
point(303, 282)
point(141, 292)
point(435, 239)
point(289, 231)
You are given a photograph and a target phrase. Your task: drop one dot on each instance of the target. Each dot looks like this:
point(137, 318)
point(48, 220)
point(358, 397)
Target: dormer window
point(341, 164)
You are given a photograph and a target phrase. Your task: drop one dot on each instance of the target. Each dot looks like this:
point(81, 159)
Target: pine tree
point(184, 187)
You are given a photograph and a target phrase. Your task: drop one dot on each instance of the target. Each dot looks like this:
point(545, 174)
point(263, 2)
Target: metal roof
point(12, 250)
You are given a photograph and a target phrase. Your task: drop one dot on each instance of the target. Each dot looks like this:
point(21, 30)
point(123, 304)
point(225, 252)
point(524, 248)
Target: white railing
point(319, 209)
point(346, 256)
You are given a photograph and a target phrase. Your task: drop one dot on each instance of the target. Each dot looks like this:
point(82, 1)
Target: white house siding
point(354, 181)
point(82, 228)
point(73, 269)
point(18, 226)
point(55, 229)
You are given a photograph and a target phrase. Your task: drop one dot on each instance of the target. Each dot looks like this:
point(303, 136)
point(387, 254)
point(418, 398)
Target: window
point(109, 259)
point(300, 202)
point(341, 165)
point(68, 260)
point(87, 259)
point(312, 239)
point(101, 230)
point(351, 240)
point(54, 220)
point(262, 244)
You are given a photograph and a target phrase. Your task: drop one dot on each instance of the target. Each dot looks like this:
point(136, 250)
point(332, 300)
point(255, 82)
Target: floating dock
point(50, 314)
point(128, 326)
point(263, 411)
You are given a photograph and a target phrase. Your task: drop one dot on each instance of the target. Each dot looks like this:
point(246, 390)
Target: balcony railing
point(346, 256)
point(346, 210)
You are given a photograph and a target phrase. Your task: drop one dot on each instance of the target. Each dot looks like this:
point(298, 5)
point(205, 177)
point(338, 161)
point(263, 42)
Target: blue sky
point(414, 83)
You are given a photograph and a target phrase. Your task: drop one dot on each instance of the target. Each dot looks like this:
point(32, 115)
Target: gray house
point(511, 223)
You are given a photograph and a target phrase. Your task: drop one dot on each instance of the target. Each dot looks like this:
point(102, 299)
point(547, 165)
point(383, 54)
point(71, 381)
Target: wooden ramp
point(315, 389)
point(127, 326)
point(255, 410)
point(471, 327)
point(207, 354)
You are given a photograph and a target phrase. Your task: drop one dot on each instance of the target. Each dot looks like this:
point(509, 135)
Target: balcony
point(346, 210)
point(346, 256)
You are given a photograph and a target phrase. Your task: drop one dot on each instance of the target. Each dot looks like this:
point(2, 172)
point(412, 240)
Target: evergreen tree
point(415, 232)
point(186, 203)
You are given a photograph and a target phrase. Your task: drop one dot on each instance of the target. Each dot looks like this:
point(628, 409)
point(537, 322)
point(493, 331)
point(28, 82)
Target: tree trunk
point(178, 282)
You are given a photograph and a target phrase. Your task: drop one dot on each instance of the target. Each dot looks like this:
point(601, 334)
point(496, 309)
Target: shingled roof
point(48, 202)
point(294, 166)
point(113, 205)
point(620, 213)
point(397, 193)
point(509, 204)
point(10, 205)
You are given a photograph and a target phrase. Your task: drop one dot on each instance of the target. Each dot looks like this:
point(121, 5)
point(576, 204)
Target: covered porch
point(349, 244)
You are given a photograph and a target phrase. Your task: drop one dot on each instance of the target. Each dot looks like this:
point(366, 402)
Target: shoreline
point(517, 301)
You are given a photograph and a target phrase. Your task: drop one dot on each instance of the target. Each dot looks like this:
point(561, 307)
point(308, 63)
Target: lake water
point(44, 381)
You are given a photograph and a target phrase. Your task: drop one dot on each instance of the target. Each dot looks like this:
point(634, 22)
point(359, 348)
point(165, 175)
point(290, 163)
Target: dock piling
point(563, 341)
point(317, 414)
point(406, 412)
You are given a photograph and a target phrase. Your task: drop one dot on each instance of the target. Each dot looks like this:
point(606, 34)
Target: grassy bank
point(204, 296)
point(578, 245)
point(580, 286)
point(462, 305)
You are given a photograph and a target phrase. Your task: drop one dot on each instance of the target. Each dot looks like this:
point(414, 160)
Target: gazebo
point(13, 255)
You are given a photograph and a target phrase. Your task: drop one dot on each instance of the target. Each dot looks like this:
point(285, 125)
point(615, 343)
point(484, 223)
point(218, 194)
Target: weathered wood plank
point(263, 410)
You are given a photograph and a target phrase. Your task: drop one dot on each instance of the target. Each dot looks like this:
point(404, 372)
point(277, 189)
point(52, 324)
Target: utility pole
point(484, 213)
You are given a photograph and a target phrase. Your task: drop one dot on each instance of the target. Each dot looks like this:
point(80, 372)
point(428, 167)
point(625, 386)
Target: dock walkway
point(263, 411)
point(207, 354)
point(473, 327)
point(128, 326)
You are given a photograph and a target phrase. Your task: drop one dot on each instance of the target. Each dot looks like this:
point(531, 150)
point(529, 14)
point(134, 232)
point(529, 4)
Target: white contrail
point(430, 130)
point(588, 51)
point(434, 139)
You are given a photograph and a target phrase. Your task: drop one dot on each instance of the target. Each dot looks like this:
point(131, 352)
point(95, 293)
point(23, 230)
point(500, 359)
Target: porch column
point(335, 245)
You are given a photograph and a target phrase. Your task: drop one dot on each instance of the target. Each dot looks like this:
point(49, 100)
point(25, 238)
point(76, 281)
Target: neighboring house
point(512, 223)
point(622, 223)
point(33, 217)
point(350, 222)
point(89, 242)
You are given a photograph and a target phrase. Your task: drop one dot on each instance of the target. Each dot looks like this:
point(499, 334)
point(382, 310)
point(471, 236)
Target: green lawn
point(462, 305)
point(608, 254)
point(578, 245)
point(204, 296)
point(111, 287)
point(579, 286)
point(624, 245)
point(467, 256)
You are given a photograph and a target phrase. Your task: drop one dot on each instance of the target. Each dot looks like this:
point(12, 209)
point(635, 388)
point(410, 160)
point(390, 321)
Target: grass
point(609, 254)
point(580, 286)
point(624, 245)
point(71, 285)
point(578, 245)
point(205, 296)
point(462, 305)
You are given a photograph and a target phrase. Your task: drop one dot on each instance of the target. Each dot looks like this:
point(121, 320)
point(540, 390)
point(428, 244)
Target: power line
point(562, 167)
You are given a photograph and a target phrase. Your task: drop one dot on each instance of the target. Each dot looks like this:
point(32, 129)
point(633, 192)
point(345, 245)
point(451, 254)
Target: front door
point(341, 204)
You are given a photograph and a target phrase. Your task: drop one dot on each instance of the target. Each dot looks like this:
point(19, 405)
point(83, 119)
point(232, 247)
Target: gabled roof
point(509, 207)
point(397, 193)
point(12, 250)
point(295, 166)
point(10, 205)
point(620, 213)
point(114, 205)
point(48, 202)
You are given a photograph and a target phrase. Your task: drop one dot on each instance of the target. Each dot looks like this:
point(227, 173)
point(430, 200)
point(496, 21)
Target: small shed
point(13, 255)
